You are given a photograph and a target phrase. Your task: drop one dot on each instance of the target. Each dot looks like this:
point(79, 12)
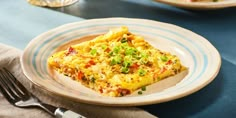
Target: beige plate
point(200, 5)
point(195, 52)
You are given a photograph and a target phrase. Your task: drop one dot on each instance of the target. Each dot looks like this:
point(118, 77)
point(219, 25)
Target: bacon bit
point(80, 75)
point(90, 63)
point(123, 91)
point(169, 62)
point(70, 51)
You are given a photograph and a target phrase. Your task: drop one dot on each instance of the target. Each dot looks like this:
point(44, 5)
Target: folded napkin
point(9, 58)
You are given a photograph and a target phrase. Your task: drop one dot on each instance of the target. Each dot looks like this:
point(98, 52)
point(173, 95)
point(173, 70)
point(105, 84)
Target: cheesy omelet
point(116, 63)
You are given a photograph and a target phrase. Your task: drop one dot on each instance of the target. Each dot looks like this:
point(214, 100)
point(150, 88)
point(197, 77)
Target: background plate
point(194, 51)
point(200, 5)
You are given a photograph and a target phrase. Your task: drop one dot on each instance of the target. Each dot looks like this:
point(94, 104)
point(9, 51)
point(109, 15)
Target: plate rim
point(125, 104)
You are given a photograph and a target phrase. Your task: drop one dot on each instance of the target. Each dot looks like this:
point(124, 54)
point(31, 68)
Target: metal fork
point(19, 96)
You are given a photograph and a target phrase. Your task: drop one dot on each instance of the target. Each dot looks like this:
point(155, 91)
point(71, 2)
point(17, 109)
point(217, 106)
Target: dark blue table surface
point(216, 100)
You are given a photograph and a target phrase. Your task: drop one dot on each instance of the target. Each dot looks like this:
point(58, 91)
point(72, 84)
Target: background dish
point(194, 51)
point(200, 5)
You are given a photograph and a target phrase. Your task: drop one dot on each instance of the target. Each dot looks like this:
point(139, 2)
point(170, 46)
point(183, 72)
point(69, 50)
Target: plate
point(195, 52)
point(200, 5)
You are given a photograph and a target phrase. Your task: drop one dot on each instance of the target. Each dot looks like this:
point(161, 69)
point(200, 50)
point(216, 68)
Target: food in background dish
point(202, 0)
point(116, 63)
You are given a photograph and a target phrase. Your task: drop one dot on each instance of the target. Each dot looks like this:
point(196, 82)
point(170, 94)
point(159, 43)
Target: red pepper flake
point(70, 51)
point(90, 63)
point(134, 66)
point(163, 70)
point(169, 62)
point(155, 76)
point(80, 75)
point(123, 92)
point(108, 50)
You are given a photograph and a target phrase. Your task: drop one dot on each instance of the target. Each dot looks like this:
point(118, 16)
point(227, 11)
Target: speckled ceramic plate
point(195, 52)
point(200, 5)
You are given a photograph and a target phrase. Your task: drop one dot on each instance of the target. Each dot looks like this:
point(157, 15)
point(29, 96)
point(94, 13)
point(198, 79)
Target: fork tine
point(9, 95)
point(6, 94)
point(16, 84)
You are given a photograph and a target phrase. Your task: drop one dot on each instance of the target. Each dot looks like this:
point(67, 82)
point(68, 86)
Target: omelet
point(116, 63)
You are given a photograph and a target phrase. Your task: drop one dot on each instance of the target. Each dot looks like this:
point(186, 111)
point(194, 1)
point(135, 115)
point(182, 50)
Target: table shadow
point(189, 105)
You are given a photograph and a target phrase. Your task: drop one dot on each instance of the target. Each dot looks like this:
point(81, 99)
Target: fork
point(19, 96)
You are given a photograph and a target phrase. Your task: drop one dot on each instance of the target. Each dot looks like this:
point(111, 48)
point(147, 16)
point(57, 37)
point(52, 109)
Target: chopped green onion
point(111, 53)
point(144, 55)
point(116, 60)
point(113, 62)
point(130, 51)
point(93, 52)
point(158, 78)
point(140, 92)
point(143, 88)
point(144, 60)
point(123, 40)
point(116, 49)
point(141, 72)
point(124, 45)
point(164, 58)
point(93, 80)
point(125, 70)
point(104, 47)
point(127, 63)
point(215, 0)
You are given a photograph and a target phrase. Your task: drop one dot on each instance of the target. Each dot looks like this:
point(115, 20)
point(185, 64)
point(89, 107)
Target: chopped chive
point(125, 70)
point(143, 88)
point(113, 62)
point(104, 47)
point(130, 51)
point(93, 80)
point(140, 92)
point(126, 63)
point(93, 51)
point(144, 55)
point(111, 53)
point(116, 49)
point(141, 72)
point(164, 58)
point(116, 60)
point(123, 40)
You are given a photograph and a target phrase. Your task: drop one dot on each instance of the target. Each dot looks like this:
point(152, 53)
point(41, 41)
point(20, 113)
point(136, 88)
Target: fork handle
point(65, 113)
point(59, 112)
